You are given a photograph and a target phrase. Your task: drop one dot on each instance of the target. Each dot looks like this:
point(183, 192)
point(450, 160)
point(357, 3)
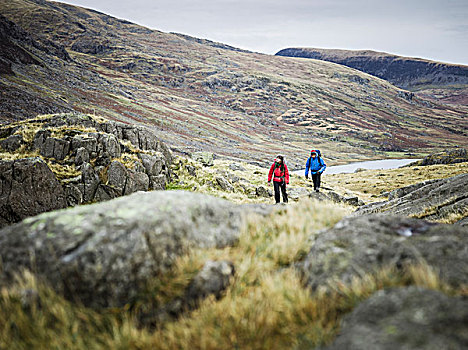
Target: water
point(371, 164)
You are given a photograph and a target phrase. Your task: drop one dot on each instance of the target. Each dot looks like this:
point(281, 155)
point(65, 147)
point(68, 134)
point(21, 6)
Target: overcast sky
point(433, 29)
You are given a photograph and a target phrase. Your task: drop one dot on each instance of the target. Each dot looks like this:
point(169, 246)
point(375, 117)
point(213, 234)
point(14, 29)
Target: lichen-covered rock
point(27, 187)
point(12, 143)
point(406, 318)
point(365, 244)
point(55, 148)
point(90, 182)
point(431, 200)
point(104, 254)
point(261, 191)
point(135, 181)
point(224, 184)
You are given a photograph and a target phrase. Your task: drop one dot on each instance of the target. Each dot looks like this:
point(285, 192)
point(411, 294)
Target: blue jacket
point(316, 165)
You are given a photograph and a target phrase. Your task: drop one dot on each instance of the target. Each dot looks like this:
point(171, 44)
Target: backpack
point(319, 155)
point(317, 151)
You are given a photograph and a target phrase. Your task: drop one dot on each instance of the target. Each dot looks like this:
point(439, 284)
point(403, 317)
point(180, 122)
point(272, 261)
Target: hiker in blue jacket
point(317, 166)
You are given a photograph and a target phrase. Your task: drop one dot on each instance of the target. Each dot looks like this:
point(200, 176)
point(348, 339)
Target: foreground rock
point(365, 244)
point(104, 254)
point(28, 187)
point(406, 318)
point(431, 200)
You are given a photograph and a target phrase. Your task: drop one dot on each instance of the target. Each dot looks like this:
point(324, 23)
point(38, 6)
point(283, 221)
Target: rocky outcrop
point(406, 318)
point(27, 187)
point(431, 200)
point(107, 159)
point(365, 244)
point(104, 254)
point(403, 72)
point(447, 157)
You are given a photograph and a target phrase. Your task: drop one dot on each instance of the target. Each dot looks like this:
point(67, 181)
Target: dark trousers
point(277, 185)
point(316, 180)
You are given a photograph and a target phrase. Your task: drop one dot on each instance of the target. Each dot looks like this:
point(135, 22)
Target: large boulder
point(104, 254)
point(431, 200)
point(364, 244)
point(27, 187)
point(406, 318)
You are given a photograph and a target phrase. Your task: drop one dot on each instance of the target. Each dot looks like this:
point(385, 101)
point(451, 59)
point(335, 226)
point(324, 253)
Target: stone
point(82, 156)
point(295, 193)
point(27, 187)
point(103, 159)
point(90, 182)
point(364, 244)
point(158, 182)
point(105, 254)
point(154, 164)
point(431, 200)
point(224, 184)
point(116, 175)
point(73, 195)
point(213, 279)
point(135, 182)
point(261, 191)
point(111, 145)
point(191, 170)
point(236, 167)
point(55, 148)
point(405, 318)
point(40, 137)
point(86, 142)
point(105, 193)
point(12, 143)
point(205, 158)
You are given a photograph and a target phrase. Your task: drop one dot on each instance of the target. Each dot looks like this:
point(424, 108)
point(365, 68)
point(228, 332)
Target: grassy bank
point(265, 307)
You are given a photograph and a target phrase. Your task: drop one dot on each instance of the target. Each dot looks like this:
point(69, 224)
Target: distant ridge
point(404, 72)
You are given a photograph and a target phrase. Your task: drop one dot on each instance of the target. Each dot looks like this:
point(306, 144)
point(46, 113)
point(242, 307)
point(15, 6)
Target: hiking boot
point(317, 190)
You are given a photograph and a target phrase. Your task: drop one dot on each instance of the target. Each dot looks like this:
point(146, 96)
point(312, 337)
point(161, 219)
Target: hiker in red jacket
point(279, 172)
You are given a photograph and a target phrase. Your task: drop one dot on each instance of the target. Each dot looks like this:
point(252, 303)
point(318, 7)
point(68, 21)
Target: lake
point(371, 164)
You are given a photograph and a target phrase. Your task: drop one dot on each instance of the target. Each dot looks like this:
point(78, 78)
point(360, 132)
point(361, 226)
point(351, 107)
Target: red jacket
point(279, 175)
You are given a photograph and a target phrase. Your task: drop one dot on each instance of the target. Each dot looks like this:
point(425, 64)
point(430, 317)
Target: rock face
point(406, 318)
point(364, 244)
point(103, 254)
point(113, 159)
point(27, 187)
point(431, 200)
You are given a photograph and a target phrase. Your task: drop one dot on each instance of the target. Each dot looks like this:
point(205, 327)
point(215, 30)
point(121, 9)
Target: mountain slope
point(404, 72)
point(197, 95)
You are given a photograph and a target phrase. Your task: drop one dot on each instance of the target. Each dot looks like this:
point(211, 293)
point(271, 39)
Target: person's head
point(280, 158)
point(313, 154)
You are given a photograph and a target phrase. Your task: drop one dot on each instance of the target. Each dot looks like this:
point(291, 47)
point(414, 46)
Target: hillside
point(444, 82)
point(404, 72)
point(199, 95)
